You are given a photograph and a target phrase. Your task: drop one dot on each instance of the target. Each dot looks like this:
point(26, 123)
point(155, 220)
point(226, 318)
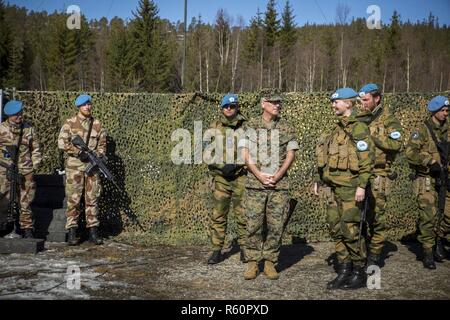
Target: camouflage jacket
point(79, 125)
point(229, 145)
point(387, 134)
point(346, 157)
point(421, 149)
point(263, 151)
point(30, 157)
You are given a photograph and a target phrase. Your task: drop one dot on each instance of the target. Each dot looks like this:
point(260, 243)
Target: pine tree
point(271, 23)
point(288, 34)
point(5, 43)
point(14, 75)
point(151, 52)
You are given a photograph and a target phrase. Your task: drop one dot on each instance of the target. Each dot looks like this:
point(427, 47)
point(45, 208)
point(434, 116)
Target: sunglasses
point(230, 106)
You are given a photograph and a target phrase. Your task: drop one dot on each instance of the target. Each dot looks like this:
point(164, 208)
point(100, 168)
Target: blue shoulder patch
point(395, 135)
point(361, 145)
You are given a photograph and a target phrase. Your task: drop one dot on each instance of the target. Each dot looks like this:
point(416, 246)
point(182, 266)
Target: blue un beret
point(13, 107)
point(230, 98)
point(82, 99)
point(370, 87)
point(437, 103)
point(344, 93)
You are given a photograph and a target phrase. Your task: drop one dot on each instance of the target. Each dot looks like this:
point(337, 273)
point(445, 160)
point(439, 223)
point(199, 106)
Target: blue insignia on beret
point(230, 98)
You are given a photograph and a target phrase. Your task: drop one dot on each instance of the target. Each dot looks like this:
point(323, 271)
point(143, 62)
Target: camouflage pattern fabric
point(262, 204)
point(77, 182)
point(343, 217)
point(287, 141)
point(383, 129)
point(420, 151)
point(271, 206)
point(227, 190)
point(30, 159)
point(345, 161)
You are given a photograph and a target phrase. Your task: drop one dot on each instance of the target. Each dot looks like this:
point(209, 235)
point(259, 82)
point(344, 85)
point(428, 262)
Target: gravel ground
point(120, 271)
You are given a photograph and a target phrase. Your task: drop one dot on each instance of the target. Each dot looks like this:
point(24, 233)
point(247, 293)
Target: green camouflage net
point(171, 201)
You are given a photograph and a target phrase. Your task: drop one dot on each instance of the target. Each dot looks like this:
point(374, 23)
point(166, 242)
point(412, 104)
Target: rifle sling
point(89, 131)
point(443, 153)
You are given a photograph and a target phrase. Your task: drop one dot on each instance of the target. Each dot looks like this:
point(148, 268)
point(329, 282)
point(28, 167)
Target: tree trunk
point(261, 69)
point(280, 79)
point(200, 67)
point(207, 72)
point(235, 62)
point(407, 71)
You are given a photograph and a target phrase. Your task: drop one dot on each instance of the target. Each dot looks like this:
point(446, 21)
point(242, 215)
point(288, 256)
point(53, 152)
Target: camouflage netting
point(172, 201)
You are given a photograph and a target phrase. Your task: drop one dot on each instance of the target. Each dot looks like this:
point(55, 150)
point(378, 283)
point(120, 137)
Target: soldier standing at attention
point(386, 133)
point(228, 179)
point(77, 181)
point(427, 151)
point(16, 132)
point(266, 196)
point(345, 159)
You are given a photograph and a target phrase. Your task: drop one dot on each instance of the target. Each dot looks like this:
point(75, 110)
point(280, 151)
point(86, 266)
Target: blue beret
point(13, 107)
point(437, 103)
point(230, 98)
point(370, 87)
point(82, 99)
point(344, 93)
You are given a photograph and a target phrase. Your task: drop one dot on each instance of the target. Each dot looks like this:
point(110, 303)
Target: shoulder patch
point(415, 135)
point(395, 135)
point(361, 145)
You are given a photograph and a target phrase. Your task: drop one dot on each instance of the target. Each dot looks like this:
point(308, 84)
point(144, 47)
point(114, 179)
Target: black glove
point(83, 156)
point(435, 169)
point(228, 170)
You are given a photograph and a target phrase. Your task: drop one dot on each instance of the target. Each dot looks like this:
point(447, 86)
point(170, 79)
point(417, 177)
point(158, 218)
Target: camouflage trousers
point(376, 219)
point(78, 183)
point(226, 192)
point(27, 193)
point(271, 206)
point(429, 226)
point(343, 217)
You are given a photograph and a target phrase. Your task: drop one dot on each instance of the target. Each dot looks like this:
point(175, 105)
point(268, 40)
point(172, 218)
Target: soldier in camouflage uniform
point(423, 155)
point(77, 181)
point(386, 133)
point(269, 151)
point(29, 161)
point(228, 178)
point(345, 159)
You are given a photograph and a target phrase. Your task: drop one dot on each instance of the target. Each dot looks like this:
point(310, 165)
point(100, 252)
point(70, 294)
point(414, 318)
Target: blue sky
point(313, 11)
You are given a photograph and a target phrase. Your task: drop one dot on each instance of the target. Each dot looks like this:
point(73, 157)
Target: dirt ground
point(120, 271)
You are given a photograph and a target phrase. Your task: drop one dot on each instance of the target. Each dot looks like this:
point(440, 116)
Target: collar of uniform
point(438, 126)
point(272, 124)
point(226, 122)
point(81, 117)
point(377, 111)
point(14, 126)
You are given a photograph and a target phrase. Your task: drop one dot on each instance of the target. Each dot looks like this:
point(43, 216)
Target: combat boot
point(72, 237)
point(93, 236)
point(358, 279)
point(270, 271)
point(440, 253)
point(28, 233)
point(373, 259)
point(344, 272)
point(252, 270)
point(428, 261)
point(215, 257)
